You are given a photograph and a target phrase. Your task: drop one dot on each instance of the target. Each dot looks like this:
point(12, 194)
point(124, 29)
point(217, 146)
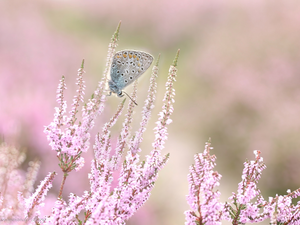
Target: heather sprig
point(68, 138)
point(35, 201)
point(251, 207)
point(246, 208)
point(281, 210)
point(125, 132)
point(203, 198)
point(164, 116)
point(136, 179)
point(14, 186)
point(147, 109)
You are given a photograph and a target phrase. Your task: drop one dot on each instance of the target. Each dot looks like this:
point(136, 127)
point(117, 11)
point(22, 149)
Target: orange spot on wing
point(137, 58)
point(130, 56)
point(124, 55)
point(139, 64)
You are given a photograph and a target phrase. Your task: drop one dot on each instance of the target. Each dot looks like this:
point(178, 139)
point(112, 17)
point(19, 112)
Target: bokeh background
point(238, 83)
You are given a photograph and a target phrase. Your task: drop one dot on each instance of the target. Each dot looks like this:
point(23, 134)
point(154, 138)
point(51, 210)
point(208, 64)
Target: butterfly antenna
point(130, 98)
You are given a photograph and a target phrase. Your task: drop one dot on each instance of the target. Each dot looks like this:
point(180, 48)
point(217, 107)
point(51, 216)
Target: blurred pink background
point(238, 83)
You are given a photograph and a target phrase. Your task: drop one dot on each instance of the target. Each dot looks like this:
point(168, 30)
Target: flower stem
point(62, 184)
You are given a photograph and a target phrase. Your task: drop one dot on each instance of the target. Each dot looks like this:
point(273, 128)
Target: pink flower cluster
point(203, 200)
point(247, 205)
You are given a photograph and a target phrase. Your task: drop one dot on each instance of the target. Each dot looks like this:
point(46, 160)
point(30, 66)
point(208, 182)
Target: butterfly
point(126, 67)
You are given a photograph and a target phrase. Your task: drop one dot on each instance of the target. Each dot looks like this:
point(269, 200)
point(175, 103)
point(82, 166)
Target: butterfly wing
point(128, 65)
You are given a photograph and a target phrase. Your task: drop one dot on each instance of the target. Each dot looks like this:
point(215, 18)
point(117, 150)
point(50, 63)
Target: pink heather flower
point(281, 210)
point(13, 184)
point(149, 105)
point(55, 217)
point(164, 116)
point(79, 163)
point(31, 175)
point(35, 201)
point(136, 179)
point(68, 136)
point(202, 198)
point(125, 133)
point(246, 210)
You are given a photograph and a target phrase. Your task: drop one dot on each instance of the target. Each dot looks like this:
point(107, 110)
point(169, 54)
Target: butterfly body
point(126, 67)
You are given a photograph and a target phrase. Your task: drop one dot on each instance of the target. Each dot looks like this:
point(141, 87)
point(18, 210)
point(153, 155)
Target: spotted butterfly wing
point(127, 66)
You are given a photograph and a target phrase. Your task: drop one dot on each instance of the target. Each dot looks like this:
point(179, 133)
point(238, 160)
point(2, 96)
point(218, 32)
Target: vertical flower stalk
point(95, 105)
point(35, 201)
point(102, 145)
point(147, 109)
point(202, 198)
point(68, 136)
point(136, 179)
point(31, 176)
point(125, 133)
point(246, 208)
point(103, 165)
point(104, 205)
point(11, 182)
point(164, 116)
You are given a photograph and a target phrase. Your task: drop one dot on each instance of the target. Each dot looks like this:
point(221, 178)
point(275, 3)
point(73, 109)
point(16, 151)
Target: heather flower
point(281, 209)
point(136, 179)
point(14, 186)
point(248, 205)
point(202, 198)
point(35, 201)
point(149, 105)
point(245, 209)
point(68, 136)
